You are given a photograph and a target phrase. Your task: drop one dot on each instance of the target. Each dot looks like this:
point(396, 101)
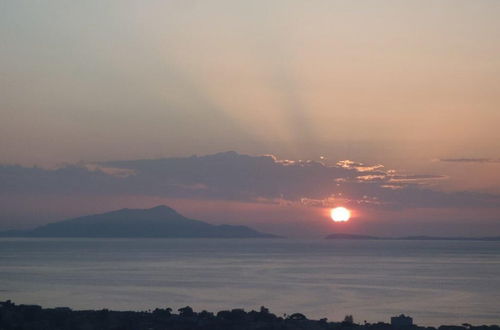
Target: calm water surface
point(436, 282)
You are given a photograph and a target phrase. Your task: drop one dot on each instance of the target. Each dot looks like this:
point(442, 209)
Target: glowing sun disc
point(340, 214)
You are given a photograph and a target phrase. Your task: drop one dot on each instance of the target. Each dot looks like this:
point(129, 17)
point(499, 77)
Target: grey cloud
point(232, 176)
point(416, 178)
point(470, 160)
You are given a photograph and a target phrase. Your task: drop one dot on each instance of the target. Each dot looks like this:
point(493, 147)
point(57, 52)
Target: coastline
point(13, 316)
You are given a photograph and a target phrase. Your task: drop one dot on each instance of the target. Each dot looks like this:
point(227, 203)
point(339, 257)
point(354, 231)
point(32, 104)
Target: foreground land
point(21, 317)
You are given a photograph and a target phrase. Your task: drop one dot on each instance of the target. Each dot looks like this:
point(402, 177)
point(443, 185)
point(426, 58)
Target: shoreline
point(13, 316)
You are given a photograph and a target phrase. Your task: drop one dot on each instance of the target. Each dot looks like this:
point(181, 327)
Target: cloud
point(470, 160)
point(235, 177)
point(416, 178)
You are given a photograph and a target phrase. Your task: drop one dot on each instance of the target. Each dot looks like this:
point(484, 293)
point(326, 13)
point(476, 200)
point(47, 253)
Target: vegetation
point(34, 317)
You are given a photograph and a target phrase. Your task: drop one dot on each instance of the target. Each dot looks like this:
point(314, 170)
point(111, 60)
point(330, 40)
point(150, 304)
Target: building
point(401, 321)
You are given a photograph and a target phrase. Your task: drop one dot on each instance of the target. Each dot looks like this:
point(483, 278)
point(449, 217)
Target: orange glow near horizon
point(340, 214)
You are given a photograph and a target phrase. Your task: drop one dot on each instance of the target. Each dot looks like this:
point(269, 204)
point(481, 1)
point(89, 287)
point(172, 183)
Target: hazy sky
point(411, 85)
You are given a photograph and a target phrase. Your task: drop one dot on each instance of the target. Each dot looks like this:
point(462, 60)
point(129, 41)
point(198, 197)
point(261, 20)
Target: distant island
point(414, 238)
point(14, 316)
point(156, 222)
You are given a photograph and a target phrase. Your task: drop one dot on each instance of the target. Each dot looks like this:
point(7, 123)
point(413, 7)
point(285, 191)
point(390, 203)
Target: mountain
point(160, 221)
point(413, 238)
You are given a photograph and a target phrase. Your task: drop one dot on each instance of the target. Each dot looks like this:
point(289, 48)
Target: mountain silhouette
point(159, 221)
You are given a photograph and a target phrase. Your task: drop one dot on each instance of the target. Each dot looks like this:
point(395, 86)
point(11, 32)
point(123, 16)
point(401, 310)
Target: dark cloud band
point(233, 176)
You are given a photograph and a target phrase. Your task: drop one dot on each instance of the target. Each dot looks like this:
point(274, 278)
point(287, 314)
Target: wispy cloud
point(470, 160)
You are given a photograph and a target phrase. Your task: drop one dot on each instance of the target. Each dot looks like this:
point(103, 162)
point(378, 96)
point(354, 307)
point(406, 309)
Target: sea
point(435, 282)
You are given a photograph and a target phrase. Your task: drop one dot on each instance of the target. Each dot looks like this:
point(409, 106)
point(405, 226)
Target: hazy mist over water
point(436, 282)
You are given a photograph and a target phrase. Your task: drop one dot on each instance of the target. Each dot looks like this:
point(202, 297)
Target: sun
point(340, 214)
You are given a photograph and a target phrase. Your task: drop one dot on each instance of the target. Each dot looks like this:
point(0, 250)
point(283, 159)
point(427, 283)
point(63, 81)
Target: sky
point(388, 107)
